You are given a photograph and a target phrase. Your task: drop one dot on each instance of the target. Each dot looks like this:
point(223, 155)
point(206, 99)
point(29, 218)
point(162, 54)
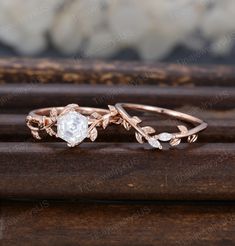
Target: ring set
point(74, 124)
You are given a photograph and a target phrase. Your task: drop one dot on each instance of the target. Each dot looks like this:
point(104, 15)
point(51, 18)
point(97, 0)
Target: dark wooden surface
point(116, 167)
point(28, 96)
point(117, 171)
point(54, 224)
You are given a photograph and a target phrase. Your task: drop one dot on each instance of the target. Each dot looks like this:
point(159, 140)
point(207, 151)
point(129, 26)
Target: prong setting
point(72, 127)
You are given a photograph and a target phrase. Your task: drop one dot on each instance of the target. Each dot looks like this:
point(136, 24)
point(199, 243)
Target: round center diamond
point(72, 127)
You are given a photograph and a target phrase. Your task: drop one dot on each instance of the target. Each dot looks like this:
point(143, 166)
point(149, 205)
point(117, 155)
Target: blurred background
point(181, 31)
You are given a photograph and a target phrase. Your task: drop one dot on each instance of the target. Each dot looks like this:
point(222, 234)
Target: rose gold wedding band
point(71, 123)
point(148, 133)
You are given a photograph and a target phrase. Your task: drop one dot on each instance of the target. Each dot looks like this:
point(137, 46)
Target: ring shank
point(181, 116)
point(39, 113)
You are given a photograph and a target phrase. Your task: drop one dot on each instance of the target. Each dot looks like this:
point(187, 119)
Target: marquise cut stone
point(72, 127)
point(154, 143)
point(165, 136)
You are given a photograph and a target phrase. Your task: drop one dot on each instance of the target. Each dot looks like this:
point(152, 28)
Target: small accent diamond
point(165, 136)
point(72, 127)
point(154, 143)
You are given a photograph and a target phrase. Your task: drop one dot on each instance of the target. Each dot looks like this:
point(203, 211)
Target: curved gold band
point(42, 112)
point(74, 123)
point(184, 132)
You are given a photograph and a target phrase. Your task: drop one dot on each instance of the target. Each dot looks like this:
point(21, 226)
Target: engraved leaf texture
point(148, 129)
point(72, 106)
point(113, 110)
point(68, 108)
point(35, 135)
point(95, 115)
point(126, 125)
point(50, 131)
point(28, 118)
point(106, 120)
point(193, 138)
point(53, 113)
point(118, 121)
point(139, 137)
point(183, 129)
point(175, 141)
point(93, 134)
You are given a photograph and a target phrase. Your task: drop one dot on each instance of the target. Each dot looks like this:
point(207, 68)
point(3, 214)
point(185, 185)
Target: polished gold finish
point(48, 119)
point(148, 133)
point(45, 119)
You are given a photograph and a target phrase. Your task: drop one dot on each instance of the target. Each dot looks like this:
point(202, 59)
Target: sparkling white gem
point(72, 127)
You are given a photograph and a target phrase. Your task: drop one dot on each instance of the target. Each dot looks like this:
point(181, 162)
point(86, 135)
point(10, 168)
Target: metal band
point(173, 137)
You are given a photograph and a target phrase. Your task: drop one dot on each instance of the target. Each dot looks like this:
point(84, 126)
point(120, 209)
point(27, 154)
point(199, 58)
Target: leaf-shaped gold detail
point(106, 120)
point(175, 141)
point(50, 131)
point(148, 129)
point(35, 134)
point(72, 106)
point(118, 121)
point(93, 134)
point(126, 125)
point(192, 138)
point(68, 108)
point(53, 113)
point(139, 137)
point(113, 110)
point(95, 115)
point(183, 129)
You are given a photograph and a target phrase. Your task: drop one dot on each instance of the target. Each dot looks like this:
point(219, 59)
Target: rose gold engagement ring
point(71, 123)
point(148, 133)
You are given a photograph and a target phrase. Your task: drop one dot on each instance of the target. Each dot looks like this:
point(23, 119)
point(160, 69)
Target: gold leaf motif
point(192, 138)
point(95, 115)
point(113, 110)
point(35, 134)
point(93, 134)
point(183, 129)
point(126, 125)
point(118, 121)
point(50, 131)
point(136, 120)
point(28, 119)
point(53, 113)
point(175, 141)
point(69, 108)
point(106, 120)
point(148, 129)
point(139, 137)
point(72, 106)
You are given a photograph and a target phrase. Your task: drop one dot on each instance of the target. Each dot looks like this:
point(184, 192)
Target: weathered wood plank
point(49, 223)
point(100, 72)
point(117, 171)
point(16, 96)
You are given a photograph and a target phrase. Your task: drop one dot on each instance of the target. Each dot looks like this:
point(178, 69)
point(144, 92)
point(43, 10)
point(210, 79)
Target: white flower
point(23, 24)
point(100, 28)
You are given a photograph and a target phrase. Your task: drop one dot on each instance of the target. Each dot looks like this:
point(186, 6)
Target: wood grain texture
point(26, 96)
point(116, 168)
point(117, 171)
point(46, 223)
point(99, 72)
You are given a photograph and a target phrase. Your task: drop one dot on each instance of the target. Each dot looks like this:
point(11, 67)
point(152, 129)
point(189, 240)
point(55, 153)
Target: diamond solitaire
point(71, 123)
point(72, 127)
